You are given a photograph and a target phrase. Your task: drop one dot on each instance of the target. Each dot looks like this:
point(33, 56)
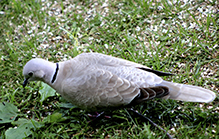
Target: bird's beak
point(25, 82)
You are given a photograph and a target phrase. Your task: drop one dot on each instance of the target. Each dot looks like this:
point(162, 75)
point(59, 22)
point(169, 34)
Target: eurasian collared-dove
point(93, 80)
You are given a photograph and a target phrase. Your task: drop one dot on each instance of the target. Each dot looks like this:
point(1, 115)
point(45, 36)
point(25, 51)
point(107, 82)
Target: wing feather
point(100, 88)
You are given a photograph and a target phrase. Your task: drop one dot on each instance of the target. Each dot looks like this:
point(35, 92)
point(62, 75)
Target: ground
point(177, 36)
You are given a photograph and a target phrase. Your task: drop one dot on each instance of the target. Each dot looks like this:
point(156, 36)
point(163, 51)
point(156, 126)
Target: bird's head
point(38, 70)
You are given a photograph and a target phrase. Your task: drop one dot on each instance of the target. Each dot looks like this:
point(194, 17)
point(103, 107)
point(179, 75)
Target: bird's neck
point(51, 70)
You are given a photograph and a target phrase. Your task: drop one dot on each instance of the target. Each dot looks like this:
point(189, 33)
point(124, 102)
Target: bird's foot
point(98, 116)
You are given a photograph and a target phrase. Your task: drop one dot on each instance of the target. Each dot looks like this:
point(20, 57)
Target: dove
point(93, 80)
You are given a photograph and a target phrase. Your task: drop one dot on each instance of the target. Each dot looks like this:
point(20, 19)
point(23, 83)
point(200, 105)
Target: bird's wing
point(106, 60)
point(102, 88)
point(98, 88)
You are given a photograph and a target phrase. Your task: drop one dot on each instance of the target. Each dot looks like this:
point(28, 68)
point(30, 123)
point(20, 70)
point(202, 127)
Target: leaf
point(46, 91)
point(54, 118)
point(23, 130)
point(66, 105)
point(75, 127)
point(17, 133)
point(8, 112)
point(20, 121)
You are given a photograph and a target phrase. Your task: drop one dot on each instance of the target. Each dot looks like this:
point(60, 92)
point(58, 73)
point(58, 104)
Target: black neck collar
point(56, 72)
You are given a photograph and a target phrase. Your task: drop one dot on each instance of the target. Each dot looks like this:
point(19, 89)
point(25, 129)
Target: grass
point(180, 37)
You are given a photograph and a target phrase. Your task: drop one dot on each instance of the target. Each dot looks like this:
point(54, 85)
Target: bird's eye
point(30, 73)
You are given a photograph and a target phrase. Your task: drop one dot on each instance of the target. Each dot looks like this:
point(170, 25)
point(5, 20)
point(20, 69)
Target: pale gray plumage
point(93, 80)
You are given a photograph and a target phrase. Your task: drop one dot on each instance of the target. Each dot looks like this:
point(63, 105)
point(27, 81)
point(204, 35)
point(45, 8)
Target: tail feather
point(150, 93)
point(188, 92)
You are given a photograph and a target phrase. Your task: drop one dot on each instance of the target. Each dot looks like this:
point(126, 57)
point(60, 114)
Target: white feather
point(188, 92)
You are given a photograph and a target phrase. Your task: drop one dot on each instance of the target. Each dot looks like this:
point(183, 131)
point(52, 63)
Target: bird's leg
point(98, 116)
point(93, 115)
point(154, 124)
